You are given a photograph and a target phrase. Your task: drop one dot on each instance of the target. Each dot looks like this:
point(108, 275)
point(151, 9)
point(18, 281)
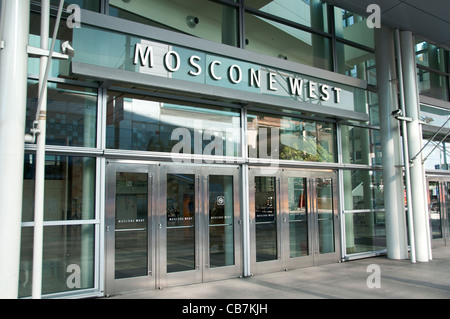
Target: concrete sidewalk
point(399, 279)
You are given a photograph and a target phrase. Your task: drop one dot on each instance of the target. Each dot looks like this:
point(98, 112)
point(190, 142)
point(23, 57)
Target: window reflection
point(144, 124)
point(180, 222)
point(311, 13)
point(298, 140)
point(365, 232)
point(432, 84)
point(66, 247)
point(200, 18)
point(361, 145)
point(353, 27)
point(71, 114)
point(265, 219)
point(363, 189)
point(434, 202)
point(221, 221)
point(69, 188)
point(356, 63)
point(278, 40)
point(298, 217)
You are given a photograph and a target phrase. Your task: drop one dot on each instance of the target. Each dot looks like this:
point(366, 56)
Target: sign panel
point(126, 52)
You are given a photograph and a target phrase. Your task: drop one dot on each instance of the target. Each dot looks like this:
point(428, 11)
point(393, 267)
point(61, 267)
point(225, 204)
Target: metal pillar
point(245, 197)
point(411, 96)
point(40, 158)
point(13, 93)
point(390, 136)
point(405, 148)
point(45, 64)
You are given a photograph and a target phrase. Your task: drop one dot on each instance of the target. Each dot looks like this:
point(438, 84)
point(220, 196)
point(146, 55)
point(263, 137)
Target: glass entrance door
point(293, 219)
point(439, 212)
point(201, 231)
point(129, 228)
point(168, 225)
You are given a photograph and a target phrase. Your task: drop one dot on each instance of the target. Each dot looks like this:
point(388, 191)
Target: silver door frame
point(283, 261)
point(443, 210)
point(157, 226)
point(224, 272)
point(202, 272)
point(112, 285)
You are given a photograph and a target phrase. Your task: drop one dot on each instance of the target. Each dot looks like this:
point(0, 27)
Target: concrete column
point(390, 142)
point(13, 95)
point(420, 216)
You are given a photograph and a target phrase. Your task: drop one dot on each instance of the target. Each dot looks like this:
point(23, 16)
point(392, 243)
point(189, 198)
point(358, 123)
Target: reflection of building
point(182, 128)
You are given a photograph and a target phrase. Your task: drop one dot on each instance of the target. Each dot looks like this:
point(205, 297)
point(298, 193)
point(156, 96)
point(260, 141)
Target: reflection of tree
point(322, 154)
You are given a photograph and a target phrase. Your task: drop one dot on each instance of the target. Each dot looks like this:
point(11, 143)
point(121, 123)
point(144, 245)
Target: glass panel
point(68, 259)
point(200, 18)
point(59, 68)
point(374, 111)
point(265, 218)
point(447, 203)
point(221, 221)
point(139, 123)
point(325, 213)
point(361, 145)
point(432, 84)
point(298, 217)
point(363, 189)
point(430, 55)
point(71, 114)
point(69, 188)
point(356, 63)
point(435, 116)
point(438, 154)
point(311, 13)
point(365, 232)
point(131, 259)
point(180, 222)
point(435, 209)
point(353, 27)
point(298, 139)
point(278, 40)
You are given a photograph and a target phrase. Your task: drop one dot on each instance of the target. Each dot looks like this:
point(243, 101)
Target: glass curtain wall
point(432, 70)
point(70, 183)
point(69, 224)
point(281, 29)
point(363, 190)
point(199, 18)
point(300, 31)
point(355, 59)
point(294, 30)
point(70, 215)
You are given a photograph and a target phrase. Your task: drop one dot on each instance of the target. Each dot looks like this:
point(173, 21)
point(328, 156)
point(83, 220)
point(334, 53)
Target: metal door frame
point(283, 261)
point(443, 209)
point(112, 285)
point(224, 272)
point(202, 271)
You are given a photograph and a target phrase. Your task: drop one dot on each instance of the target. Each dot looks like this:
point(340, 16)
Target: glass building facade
point(194, 123)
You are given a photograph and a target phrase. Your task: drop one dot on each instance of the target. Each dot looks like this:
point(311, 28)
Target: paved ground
point(398, 279)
